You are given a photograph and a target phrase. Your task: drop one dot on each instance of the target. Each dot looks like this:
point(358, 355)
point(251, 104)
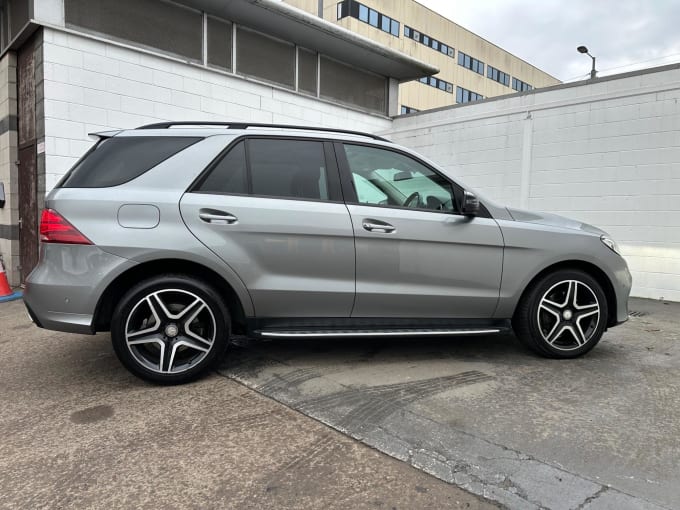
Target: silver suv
point(176, 236)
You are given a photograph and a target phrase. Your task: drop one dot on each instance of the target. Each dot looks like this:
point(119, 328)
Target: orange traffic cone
point(6, 293)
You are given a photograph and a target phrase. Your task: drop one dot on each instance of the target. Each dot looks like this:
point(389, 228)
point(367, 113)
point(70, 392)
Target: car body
point(303, 232)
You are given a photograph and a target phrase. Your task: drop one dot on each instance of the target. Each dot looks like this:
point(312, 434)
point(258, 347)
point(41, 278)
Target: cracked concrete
point(599, 432)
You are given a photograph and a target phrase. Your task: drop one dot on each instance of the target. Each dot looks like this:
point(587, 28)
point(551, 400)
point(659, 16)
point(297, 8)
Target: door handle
point(378, 226)
point(218, 219)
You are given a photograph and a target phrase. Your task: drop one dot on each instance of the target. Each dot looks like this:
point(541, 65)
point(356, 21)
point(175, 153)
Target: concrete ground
point(77, 431)
point(482, 414)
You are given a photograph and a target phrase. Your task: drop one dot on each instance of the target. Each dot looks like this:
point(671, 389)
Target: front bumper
point(622, 282)
point(63, 290)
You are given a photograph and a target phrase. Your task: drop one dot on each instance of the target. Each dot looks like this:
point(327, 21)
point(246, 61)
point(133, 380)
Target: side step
point(337, 333)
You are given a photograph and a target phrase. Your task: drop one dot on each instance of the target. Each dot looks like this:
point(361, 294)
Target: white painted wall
point(606, 153)
point(92, 86)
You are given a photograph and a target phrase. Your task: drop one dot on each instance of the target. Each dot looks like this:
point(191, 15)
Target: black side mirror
point(470, 204)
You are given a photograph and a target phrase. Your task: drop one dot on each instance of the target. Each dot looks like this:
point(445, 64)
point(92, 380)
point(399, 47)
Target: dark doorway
point(28, 175)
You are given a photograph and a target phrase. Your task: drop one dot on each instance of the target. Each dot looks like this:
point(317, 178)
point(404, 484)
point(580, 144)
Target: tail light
point(54, 228)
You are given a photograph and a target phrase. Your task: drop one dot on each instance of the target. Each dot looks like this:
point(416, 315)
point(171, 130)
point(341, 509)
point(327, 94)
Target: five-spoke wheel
point(170, 329)
point(563, 315)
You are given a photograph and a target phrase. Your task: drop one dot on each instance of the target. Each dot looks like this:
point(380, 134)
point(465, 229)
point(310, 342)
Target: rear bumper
point(63, 290)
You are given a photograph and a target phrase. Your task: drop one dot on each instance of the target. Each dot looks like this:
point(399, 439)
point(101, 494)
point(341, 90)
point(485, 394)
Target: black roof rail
point(244, 125)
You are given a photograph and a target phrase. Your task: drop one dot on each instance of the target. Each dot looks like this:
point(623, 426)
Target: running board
point(377, 333)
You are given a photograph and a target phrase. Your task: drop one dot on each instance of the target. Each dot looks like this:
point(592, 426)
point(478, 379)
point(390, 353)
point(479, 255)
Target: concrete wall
point(9, 215)
point(606, 153)
point(91, 85)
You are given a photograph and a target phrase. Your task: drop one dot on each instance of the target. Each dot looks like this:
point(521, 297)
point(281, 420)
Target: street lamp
point(593, 72)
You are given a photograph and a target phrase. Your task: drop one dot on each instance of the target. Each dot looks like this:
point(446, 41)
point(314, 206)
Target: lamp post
point(593, 72)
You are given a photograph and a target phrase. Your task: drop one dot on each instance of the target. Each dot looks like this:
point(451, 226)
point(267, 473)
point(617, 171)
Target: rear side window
point(117, 160)
point(276, 168)
point(288, 168)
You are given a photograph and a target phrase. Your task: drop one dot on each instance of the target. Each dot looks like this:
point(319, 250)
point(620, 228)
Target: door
point(271, 209)
point(415, 255)
point(28, 175)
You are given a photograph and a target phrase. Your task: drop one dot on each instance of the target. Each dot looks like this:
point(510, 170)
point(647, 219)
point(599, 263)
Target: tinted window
point(229, 174)
point(266, 58)
point(383, 177)
point(118, 160)
point(288, 168)
point(219, 43)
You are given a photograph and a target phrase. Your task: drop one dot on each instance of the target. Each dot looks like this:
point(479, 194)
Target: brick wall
point(606, 153)
point(90, 85)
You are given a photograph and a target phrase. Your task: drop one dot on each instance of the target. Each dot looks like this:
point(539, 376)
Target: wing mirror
point(470, 204)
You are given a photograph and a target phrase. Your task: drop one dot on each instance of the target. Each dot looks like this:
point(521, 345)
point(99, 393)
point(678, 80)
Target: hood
point(552, 220)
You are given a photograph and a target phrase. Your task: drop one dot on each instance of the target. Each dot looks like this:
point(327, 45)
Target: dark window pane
point(229, 174)
point(219, 43)
point(156, 24)
point(363, 13)
point(18, 12)
point(120, 159)
point(266, 58)
point(288, 168)
point(349, 85)
point(307, 64)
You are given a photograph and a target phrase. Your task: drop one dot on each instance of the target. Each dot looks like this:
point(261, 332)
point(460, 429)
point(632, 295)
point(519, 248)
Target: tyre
point(563, 315)
point(170, 329)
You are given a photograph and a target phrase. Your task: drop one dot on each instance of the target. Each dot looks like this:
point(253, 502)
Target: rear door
point(416, 256)
point(272, 209)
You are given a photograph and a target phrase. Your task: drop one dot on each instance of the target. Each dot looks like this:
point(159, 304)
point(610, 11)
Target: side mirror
point(470, 204)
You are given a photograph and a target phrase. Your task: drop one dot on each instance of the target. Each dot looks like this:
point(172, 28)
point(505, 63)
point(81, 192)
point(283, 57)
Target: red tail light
point(55, 229)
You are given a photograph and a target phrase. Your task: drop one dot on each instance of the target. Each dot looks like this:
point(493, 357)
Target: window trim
point(335, 193)
point(349, 190)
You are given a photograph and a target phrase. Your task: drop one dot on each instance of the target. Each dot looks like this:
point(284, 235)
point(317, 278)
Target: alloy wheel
point(170, 331)
point(568, 315)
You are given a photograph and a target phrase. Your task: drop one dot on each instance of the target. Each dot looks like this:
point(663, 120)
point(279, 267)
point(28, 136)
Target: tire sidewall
point(534, 301)
point(180, 282)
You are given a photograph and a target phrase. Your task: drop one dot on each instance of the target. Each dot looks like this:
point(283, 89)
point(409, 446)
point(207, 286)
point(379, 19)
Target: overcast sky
point(623, 34)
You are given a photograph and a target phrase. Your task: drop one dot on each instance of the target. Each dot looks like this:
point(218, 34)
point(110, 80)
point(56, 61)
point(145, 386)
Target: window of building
point(288, 168)
point(219, 43)
point(428, 41)
point(470, 63)
point(229, 175)
point(307, 71)
point(437, 83)
point(386, 178)
point(144, 22)
point(350, 85)
point(467, 96)
point(367, 15)
point(265, 58)
point(407, 109)
point(520, 86)
point(499, 76)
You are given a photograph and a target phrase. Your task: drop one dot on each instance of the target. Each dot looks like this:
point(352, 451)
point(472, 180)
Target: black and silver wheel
point(563, 315)
point(170, 329)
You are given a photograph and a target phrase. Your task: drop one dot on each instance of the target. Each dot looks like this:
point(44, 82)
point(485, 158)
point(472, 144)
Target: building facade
point(470, 67)
point(73, 67)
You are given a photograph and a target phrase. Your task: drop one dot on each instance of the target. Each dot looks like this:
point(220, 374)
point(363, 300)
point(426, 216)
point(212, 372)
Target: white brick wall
point(93, 86)
point(606, 153)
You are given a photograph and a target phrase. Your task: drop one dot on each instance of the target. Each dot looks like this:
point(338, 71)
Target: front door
point(416, 257)
point(272, 210)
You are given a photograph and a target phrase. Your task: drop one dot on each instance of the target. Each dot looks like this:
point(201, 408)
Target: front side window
point(387, 178)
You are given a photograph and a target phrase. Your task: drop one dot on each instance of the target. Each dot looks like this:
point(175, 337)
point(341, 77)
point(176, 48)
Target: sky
point(623, 35)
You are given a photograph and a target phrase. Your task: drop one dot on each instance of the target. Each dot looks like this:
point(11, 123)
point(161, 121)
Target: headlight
point(611, 244)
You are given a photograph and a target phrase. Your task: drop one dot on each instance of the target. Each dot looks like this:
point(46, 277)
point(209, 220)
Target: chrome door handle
point(378, 226)
point(218, 219)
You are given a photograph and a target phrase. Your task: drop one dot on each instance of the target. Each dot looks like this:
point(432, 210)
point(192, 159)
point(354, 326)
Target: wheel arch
point(115, 290)
point(587, 267)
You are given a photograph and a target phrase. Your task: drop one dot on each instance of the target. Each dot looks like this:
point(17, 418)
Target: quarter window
point(386, 178)
point(229, 175)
